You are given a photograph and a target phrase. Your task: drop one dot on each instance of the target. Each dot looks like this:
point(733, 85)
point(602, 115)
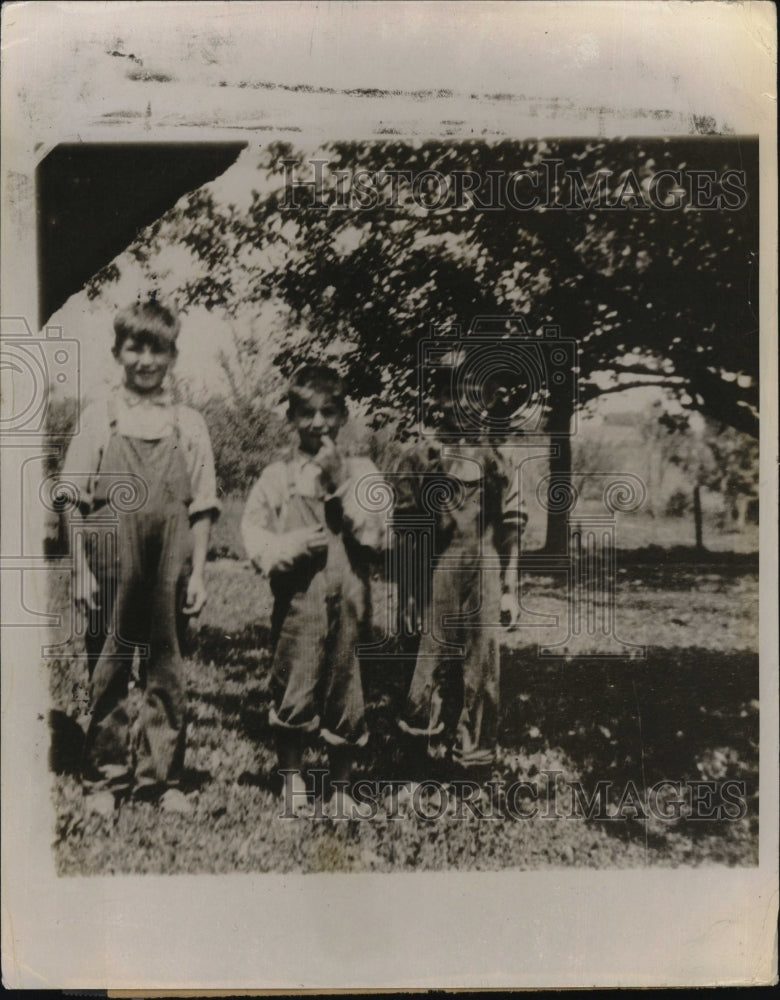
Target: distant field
point(689, 711)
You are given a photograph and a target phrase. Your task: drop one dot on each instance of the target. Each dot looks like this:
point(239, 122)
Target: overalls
point(453, 698)
point(141, 577)
point(321, 612)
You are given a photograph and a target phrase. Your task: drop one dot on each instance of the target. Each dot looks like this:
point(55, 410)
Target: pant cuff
point(473, 758)
point(302, 727)
point(414, 731)
point(111, 777)
point(334, 740)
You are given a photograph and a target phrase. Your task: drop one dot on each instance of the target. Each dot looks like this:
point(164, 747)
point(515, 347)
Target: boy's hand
point(302, 542)
point(310, 540)
point(510, 610)
point(196, 595)
point(86, 593)
point(330, 461)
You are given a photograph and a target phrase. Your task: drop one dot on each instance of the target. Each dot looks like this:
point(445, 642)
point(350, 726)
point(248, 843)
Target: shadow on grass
point(243, 659)
point(67, 747)
point(679, 715)
point(660, 570)
point(733, 563)
point(67, 743)
point(235, 648)
point(247, 713)
point(193, 780)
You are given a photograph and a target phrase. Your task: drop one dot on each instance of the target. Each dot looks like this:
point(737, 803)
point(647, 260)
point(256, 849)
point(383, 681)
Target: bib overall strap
point(112, 414)
point(176, 423)
point(107, 442)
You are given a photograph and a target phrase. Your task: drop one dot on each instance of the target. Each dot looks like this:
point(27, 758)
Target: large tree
point(654, 291)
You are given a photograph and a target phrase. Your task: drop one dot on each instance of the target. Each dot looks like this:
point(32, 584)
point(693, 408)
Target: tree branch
point(641, 370)
point(594, 391)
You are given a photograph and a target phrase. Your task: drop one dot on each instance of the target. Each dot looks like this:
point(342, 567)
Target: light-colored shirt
point(268, 545)
point(151, 418)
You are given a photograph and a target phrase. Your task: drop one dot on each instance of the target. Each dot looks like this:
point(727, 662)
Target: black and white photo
point(388, 456)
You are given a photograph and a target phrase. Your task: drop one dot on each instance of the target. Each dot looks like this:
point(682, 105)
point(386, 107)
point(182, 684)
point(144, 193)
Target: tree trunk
point(740, 508)
point(697, 517)
point(560, 471)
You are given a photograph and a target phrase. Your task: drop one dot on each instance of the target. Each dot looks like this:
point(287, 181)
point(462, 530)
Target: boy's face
point(145, 363)
point(316, 415)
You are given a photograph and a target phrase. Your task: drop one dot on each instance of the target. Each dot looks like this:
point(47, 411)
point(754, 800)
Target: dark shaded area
point(613, 718)
point(264, 781)
point(242, 657)
point(689, 559)
point(214, 645)
point(247, 712)
point(193, 780)
point(681, 714)
point(93, 198)
point(644, 721)
point(67, 743)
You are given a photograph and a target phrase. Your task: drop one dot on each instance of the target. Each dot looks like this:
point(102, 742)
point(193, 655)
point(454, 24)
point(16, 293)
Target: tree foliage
point(650, 295)
point(653, 294)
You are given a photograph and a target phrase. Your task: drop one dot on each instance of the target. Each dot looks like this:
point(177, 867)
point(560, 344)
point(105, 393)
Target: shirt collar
point(303, 458)
point(162, 397)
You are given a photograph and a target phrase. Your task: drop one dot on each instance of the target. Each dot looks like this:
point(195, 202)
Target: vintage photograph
point(460, 439)
point(388, 461)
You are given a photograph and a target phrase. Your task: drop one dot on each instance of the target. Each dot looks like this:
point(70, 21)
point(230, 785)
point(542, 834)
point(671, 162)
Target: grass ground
point(686, 712)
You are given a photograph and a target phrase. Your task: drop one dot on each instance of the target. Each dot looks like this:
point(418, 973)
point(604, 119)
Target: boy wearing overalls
point(144, 475)
point(468, 487)
point(305, 529)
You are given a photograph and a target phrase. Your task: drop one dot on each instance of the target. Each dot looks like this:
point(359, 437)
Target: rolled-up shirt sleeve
point(200, 465)
point(83, 457)
point(266, 546)
point(365, 520)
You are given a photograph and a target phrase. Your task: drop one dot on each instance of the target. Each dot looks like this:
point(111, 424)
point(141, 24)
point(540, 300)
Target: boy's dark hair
point(319, 378)
point(148, 322)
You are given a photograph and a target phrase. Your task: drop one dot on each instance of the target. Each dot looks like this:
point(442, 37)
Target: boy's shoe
point(100, 803)
point(173, 800)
